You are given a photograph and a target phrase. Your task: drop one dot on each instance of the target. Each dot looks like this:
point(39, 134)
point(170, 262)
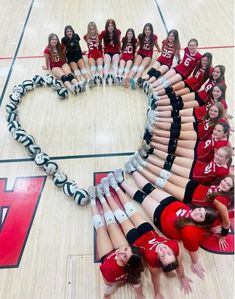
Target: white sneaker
point(92, 193)
point(139, 159)
point(91, 83)
point(129, 168)
point(118, 175)
point(99, 190)
point(105, 185)
point(112, 182)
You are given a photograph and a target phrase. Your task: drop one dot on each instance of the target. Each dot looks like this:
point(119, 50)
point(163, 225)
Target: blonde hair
point(88, 35)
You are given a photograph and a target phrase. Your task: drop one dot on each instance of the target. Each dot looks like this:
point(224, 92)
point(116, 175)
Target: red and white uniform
point(204, 131)
point(54, 58)
point(199, 112)
point(200, 196)
point(197, 80)
point(148, 243)
point(188, 63)
point(167, 55)
point(94, 47)
point(203, 94)
point(205, 173)
point(191, 235)
point(205, 149)
point(111, 47)
point(110, 270)
point(128, 53)
point(147, 50)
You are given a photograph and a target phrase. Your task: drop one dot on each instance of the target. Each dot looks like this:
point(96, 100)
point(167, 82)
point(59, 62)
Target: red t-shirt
point(188, 63)
point(54, 58)
point(167, 55)
point(146, 49)
point(94, 47)
point(111, 47)
point(148, 243)
point(199, 112)
point(128, 53)
point(110, 270)
point(197, 80)
point(204, 131)
point(203, 94)
point(191, 235)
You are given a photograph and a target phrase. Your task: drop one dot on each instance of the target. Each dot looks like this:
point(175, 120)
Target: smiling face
point(129, 35)
point(192, 46)
point(69, 33)
point(171, 38)
point(204, 62)
point(123, 254)
point(213, 112)
point(226, 184)
point(198, 214)
point(216, 73)
point(218, 132)
point(221, 157)
point(110, 27)
point(54, 41)
point(165, 254)
point(216, 92)
point(147, 31)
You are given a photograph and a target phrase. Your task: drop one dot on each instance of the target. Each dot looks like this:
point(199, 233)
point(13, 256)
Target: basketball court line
point(161, 16)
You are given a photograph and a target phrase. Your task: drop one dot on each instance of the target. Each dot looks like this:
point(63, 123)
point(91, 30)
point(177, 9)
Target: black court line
point(16, 53)
point(161, 15)
point(70, 157)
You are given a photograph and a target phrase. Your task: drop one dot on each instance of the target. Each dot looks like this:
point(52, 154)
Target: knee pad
point(168, 89)
point(172, 101)
point(178, 105)
point(151, 72)
point(77, 72)
point(167, 165)
point(139, 196)
point(177, 119)
point(64, 78)
point(70, 77)
point(129, 209)
point(174, 134)
point(171, 95)
point(99, 67)
point(147, 136)
point(173, 141)
point(120, 215)
point(174, 113)
point(109, 217)
point(164, 174)
point(170, 158)
point(148, 188)
point(141, 69)
point(171, 149)
point(126, 70)
point(156, 74)
point(166, 84)
point(175, 127)
point(160, 182)
point(135, 68)
point(83, 71)
point(93, 68)
point(97, 221)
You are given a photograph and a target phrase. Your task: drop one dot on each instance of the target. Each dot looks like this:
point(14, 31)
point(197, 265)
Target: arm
point(184, 280)
point(196, 267)
point(46, 65)
point(157, 46)
point(155, 277)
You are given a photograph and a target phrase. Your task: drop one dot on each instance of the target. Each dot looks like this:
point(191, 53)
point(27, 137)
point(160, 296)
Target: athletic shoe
point(140, 82)
point(136, 164)
point(126, 82)
point(129, 168)
point(118, 175)
point(74, 89)
point(91, 83)
point(133, 83)
point(112, 182)
point(107, 78)
point(139, 159)
point(146, 147)
point(105, 185)
point(99, 190)
point(92, 192)
point(142, 153)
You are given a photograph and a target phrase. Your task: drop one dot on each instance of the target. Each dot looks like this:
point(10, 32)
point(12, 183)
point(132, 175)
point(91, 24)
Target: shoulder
point(102, 34)
point(85, 37)
point(155, 37)
point(119, 32)
point(46, 51)
point(77, 37)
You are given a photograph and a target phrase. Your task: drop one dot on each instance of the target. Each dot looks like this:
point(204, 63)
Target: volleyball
point(11, 107)
point(50, 167)
point(56, 84)
point(62, 93)
point(19, 89)
point(11, 116)
point(70, 187)
point(49, 80)
point(33, 150)
point(28, 84)
point(38, 80)
point(59, 178)
point(18, 134)
point(13, 125)
point(27, 140)
point(41, 159)
point(81, 197)
point(15, 98)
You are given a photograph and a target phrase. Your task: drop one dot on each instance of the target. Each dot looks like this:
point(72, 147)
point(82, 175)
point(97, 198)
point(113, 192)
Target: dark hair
point(210, 216)
point(223, 88)
point(212, 122)
point(134, 266)
point(68, 27)
point(194, 40)
point(226, 127)
point(58, 48)
point(207, 70)
point(142, 35)
point(170, 267)
point(133, 40)
point(176, 40)
point(221, 78)
point(107, 38)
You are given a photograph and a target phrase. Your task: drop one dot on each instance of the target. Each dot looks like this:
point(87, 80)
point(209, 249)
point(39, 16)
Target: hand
point(185, 284)
point(223, 244)
point(197, 269)
point(44, 67)
point(216, 229)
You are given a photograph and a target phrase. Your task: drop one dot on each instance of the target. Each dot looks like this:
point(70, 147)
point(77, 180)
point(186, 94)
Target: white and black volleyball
point(15, 98)
point(19, 88)
point(56, 84)
point(50, 167)
point(48, 80)
point(13, 125)
point(27, 140)
point(81, 197)
point(11, 116)
point(11, 107)
point(62, 93)
point(28, 84)
point(33, 150)
point(38, 80)
point(70, 188)
point(41, 159)
point(59, 178)
point(18, 134)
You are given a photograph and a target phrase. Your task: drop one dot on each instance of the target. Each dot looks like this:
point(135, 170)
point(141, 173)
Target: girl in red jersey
point(147, 40)
point(55, 60)
point(112, 45)
point(192, 99)
point(172, 217)
point(119, 261)
point(129, 44)
point(95, 56)
point(170, 49)
point(74, 57)
point(158, 252)
point(182, 70)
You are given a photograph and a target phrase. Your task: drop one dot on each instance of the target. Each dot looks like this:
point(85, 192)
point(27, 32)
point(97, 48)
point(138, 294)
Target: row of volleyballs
point(41, 159)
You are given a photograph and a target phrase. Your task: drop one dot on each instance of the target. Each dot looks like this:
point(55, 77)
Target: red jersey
point(128, 53)
point(110, 270)
point(188, 63)
point(200, 196)
point(204, 131)
point(197, 80)
point(146, 49)
point(205, 149)
point(203, 94)
point(167, 55)
point(205, 173)
point(94, 47)
point(148, 243)
point(111, 47)
point(199, 112)
point(191, 235)
point(54, 58)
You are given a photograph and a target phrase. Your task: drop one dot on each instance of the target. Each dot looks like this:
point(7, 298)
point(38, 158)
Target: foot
point(74, 89)
point(107, 78)
point(129, 168)
point(92, 193)
point(112, 182)
point(118, 175)
point(126, 82)
point(139, 159)
point(91, 83)
point(99, 191)
point(140, 82)
point(105, 185)
point(133, 83)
